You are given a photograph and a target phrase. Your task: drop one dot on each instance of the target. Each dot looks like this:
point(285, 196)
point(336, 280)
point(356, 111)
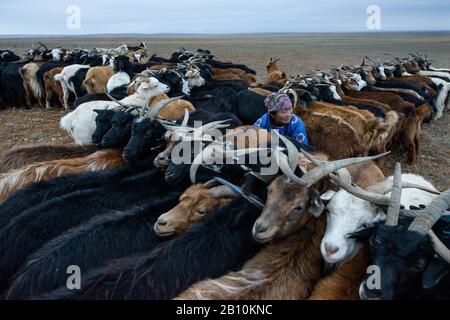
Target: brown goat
point(275, 76)
point(173, 110)
point(261, 91)
point(195, 203)
point(53, 87)
point(33, 90)
point(372, 131)
point(232, 74)
point(393, 100)
point(331, 135)
point(408, 135)
point(97, 79)
point(16, 158)
point(343, 282)
point(16, 179)
point(289, 267)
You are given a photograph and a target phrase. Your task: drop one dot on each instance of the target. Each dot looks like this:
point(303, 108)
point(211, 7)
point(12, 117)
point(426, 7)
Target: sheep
point(64, 78)
point(80, 123)
point(97, 78)
point(90, 246)
point(210, 248)
point(274, 75)
point(16, 179)
point(26, 233)
point(194, 205)
point(19, 157)
point(53, 87)
point(291, 265)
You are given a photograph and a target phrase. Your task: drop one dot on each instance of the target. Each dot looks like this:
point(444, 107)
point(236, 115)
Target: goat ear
point(316, 205)
point(361, 235)
point(327, 196)
point(434, 273)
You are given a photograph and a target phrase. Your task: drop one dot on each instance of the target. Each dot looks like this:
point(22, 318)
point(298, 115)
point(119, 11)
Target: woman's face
point(283, 116)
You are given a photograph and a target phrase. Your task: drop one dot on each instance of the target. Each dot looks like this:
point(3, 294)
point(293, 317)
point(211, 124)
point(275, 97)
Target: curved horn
point(325, 168)
point(439, 247)
point(200, 131)
point(238, 191)
point(428, 217)
point(185, 119)
point(293, 153)
point(153, 112)
point(43, 45)
point(394, 206)
point(217, 148)
point(116, 101)
point(384, 187)
point(222, 192)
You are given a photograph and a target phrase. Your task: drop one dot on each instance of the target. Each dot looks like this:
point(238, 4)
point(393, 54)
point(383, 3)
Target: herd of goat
point(142, 226)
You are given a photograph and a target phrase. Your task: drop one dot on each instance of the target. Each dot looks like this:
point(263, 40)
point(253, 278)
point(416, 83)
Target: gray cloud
point(231, 16)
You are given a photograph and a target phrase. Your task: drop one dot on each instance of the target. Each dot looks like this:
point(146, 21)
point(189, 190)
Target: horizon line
point(24, 35)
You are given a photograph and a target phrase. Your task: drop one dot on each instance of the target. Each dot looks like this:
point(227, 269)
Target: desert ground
point(299, 53)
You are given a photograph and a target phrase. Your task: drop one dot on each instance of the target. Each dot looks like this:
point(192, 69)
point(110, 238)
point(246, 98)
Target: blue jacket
point(294, 129)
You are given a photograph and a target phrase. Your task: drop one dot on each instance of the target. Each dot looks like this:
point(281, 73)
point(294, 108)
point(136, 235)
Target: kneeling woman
point(280, 117)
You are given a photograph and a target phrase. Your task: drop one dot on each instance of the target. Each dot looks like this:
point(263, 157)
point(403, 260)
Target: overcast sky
point(209, 16)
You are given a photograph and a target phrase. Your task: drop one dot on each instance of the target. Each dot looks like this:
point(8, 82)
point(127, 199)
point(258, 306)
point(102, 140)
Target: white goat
point(118, 80)
point(348, 214)
point(442, 96)
point(80, 123)
point(64, 78)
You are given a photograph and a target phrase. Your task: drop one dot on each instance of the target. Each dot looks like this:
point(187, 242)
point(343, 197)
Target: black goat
point(90, 246)
point(103, 123)
point(120, 132)
point(250, 106)
point(147, 136)
point(8, 56)
point(409, 268)
point(97, 97)
point(77, 81)
point(47, 67)
point(36, 193)
point(12, 92)
point(178, 174)
point(27, 232)
point(220, 244)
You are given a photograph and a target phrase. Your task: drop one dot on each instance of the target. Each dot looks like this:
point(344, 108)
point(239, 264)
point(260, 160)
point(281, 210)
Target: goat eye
point(298, 208)
point(200, 213)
